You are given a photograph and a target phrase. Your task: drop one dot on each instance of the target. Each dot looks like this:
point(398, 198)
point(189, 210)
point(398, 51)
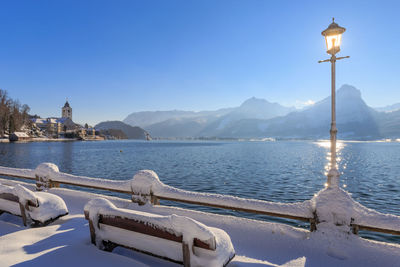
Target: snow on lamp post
point(333, 38)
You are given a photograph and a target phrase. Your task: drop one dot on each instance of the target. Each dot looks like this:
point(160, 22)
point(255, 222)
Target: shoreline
point(45, 139)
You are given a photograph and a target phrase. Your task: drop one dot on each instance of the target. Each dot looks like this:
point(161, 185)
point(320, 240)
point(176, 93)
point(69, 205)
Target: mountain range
point(258, 118)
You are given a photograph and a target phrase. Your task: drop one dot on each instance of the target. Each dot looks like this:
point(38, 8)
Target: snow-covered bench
point(35, 208)
point(176, 238)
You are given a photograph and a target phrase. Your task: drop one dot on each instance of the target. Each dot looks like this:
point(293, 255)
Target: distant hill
point(390, 108)
point(180, 124)
point(131, 132)
point(355, 120)
point(146, 118)
point(389, 124)
point(113, 134)
point(258, 118)
point(251, 109)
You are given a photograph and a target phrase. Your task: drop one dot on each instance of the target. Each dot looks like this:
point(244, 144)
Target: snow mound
point(50, 208)
point(24, 195)
point(146, 182)
point(47, 207)
point(46, 170)
point(186, 227)
point(335, 207)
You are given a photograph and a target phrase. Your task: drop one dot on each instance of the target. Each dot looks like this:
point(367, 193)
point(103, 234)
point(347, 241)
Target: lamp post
point(333, 38)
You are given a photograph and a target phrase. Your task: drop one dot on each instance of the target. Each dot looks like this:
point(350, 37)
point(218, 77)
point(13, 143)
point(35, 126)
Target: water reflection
point(67, 150)
point(327, 145)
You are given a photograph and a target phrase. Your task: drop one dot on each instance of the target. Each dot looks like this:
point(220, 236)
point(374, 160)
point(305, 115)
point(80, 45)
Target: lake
point(284, 171)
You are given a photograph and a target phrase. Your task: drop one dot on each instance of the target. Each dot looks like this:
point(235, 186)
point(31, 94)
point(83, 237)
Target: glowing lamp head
point(333, 37)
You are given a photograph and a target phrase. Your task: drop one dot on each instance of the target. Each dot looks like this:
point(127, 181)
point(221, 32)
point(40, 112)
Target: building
point(49, 125)
point(66, 111)
point(19, 136)
point(56, 126)
point(64, 126)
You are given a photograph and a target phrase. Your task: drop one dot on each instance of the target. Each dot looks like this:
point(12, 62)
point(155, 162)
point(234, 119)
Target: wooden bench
point(175, 238)
point(36, 209)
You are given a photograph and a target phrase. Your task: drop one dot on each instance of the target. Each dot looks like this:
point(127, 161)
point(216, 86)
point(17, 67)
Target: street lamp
point(333, 38)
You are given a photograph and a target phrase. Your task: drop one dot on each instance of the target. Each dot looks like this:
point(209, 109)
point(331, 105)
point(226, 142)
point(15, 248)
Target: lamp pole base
point(333, 178)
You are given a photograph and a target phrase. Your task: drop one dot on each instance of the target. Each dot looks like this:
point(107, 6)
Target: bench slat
point(140, 227)
point(14, 198)
point(9, 197)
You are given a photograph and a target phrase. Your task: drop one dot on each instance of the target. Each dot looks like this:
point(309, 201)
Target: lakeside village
point(35, 128)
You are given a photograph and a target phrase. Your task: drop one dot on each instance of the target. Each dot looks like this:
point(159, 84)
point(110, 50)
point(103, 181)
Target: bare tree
point(13, 116)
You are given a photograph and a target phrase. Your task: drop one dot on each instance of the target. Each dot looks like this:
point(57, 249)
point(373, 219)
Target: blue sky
point(111, 58)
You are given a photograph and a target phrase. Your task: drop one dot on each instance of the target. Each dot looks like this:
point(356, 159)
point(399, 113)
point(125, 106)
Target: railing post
point(354, 227)
point(139, 199)
point(43, 174)
point(154, 200)
point(142, 186)
point(313, 222)
point(41, 183)
point(313, 225)
point(53, 184)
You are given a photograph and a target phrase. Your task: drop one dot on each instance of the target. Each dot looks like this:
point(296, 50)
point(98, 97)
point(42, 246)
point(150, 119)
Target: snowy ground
point(66, 242)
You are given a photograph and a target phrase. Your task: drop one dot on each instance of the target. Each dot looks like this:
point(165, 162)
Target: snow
point(48, 206)
point(335, 207)
point(10, 206)
point(29, 173)
point(257, 243)
point(49, 171)
point(186, 227)
point(24, 195)
point(21, 134)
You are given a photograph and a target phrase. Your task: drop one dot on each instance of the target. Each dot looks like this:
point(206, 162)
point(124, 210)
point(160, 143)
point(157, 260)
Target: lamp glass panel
point(333, 41)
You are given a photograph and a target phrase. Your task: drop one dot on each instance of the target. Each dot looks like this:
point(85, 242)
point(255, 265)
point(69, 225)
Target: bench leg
point(23, 214)
point(92, 232)
point(186, 254)
point(109, 246)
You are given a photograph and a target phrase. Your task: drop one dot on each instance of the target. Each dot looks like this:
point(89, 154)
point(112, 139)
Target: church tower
point(66, 111)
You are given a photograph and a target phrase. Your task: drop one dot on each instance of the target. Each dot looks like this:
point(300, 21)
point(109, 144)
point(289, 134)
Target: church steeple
point(66, 111)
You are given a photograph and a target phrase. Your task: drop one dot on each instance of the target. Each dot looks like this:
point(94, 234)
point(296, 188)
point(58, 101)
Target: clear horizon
point(114, 58)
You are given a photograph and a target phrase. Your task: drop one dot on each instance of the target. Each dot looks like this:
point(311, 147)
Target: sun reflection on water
point(327, 145)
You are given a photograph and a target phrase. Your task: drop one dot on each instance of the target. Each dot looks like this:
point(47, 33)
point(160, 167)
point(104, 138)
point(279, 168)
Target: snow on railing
point(331, 206)
point(335, 206)
point(146, 183)
point(20, 173)
point(47, 175)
